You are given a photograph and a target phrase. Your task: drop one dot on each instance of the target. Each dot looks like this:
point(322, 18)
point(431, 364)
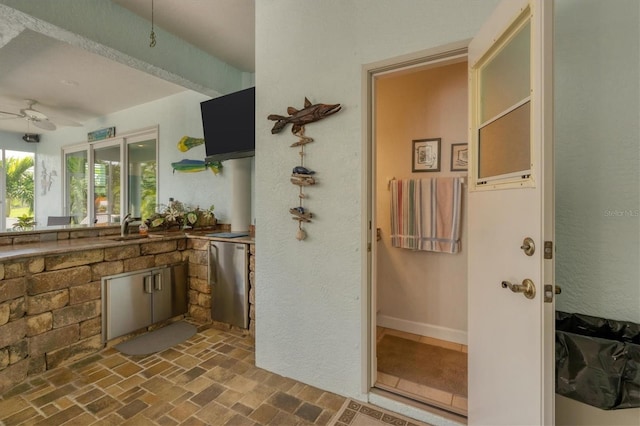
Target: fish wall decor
point(187, 142)
point(193, 166)
point(299, 118)
point(302, 176)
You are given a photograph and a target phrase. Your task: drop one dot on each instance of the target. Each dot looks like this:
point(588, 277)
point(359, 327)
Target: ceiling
point(66, 81)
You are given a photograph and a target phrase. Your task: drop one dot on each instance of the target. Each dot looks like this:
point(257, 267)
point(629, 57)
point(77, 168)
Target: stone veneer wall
point(199, 289)
point(50, 305)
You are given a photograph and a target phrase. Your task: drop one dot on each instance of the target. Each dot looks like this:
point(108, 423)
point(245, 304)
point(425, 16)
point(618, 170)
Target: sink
point(128, 237)
point(132, 237)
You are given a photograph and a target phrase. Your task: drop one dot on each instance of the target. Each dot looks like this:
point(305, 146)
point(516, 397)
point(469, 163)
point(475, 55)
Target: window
point(76, 172)
point(106, 182)
point(142, 173)
point(502, 120)
point(17, 182)
point(118, 176)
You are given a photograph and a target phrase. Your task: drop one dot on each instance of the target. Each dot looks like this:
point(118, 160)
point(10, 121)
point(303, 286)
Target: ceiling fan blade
point(61, 121)
point(4, 115)
point(44, 124)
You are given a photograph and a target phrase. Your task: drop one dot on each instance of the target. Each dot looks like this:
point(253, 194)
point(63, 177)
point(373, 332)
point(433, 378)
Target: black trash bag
point(598, 361)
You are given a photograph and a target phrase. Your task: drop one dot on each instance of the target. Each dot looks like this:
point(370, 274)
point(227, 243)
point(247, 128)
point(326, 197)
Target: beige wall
point(418, 291)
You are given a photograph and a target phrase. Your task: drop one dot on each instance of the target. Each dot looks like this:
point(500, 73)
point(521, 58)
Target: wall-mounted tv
point(229, 125)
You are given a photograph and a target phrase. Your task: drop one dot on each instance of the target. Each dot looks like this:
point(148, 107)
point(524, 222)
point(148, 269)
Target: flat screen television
point(229, 125)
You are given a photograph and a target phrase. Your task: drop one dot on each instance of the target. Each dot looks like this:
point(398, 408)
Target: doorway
point(419, 312)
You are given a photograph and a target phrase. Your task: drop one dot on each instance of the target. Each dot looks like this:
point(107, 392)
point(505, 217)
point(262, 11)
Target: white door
point(510, 171)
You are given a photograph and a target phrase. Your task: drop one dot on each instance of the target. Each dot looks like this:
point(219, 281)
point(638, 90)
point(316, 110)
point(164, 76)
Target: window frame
point(149, 133)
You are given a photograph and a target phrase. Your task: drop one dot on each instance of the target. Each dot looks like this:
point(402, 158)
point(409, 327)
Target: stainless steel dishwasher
point(229, 279)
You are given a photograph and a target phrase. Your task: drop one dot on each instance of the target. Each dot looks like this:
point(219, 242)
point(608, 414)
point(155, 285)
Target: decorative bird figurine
point(299, 118)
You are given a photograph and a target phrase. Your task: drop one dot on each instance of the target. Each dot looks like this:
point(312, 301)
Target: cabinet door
point(162, 294)
point(128, 304)
point(169, 292)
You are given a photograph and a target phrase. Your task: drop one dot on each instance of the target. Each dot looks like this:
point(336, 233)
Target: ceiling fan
point(31, 115)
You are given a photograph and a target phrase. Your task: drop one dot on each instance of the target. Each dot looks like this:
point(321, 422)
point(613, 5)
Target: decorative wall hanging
point(98, 135)
point(426, 155)
point(187, 142)
point(302, 176)
point(459, 157)
point(193, 166)
point(47, 179)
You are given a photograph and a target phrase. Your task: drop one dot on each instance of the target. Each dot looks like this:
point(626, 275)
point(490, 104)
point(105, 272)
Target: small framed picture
point(459, 157)
point(426, 155)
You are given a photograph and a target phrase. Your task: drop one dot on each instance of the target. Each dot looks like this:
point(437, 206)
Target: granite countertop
point(16, 251)
point(207, 235)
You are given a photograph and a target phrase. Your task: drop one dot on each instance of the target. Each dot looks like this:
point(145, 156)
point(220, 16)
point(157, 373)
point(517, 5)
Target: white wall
point(310, 309)
point(597, 126)
point(177, 116)
point(420, 292)
point(14, 142)
point(598, 157)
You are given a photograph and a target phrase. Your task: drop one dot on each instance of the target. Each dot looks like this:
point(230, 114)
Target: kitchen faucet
point(124, 225)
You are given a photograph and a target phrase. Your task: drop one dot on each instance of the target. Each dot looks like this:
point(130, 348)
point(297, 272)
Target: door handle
point(147, 284)
point(157, 281)
point(527, 288)
point(213, 264)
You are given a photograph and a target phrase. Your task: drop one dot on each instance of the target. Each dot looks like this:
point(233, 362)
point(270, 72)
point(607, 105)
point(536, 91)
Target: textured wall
point(310, 311)
point(597, 124)
point(598, 157)
point(424, 292)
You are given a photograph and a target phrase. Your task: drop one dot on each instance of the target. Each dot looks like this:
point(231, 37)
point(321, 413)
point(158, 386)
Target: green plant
point(20, 183)
point(24, 223)
point(178, 214)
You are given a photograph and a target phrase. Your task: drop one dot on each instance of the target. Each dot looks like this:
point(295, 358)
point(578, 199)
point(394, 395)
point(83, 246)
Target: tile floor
point(418, 392)
point(210, 379)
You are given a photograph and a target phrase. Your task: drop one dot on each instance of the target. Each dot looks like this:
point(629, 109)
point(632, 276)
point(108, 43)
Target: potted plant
point(178, 215)
point(24, 223)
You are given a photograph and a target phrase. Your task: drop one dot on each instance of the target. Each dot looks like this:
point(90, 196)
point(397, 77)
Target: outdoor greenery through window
point(76, 173)
point(19, 188)
point(108, 179)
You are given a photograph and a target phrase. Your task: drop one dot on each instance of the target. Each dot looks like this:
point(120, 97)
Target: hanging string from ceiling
point(153, 34)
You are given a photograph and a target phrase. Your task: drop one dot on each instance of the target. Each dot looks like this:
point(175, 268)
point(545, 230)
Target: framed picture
point(459, 157)
point(426, 155)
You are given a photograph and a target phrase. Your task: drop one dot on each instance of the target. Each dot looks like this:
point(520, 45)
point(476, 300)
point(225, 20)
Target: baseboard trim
point(428, 330)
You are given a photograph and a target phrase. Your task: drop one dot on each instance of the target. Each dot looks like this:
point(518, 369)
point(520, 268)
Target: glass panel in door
point(504, 115)
point(106, 184)
point(76, 186)
point(142, 178)
point(19, 193)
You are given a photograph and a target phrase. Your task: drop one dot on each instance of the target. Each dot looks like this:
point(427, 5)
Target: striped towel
point(425, 214)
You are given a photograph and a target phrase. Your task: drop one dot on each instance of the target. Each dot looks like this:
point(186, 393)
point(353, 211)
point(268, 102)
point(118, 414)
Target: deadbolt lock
point(528, 246)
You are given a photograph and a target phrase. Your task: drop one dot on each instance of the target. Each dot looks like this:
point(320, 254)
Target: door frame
point(439, 56)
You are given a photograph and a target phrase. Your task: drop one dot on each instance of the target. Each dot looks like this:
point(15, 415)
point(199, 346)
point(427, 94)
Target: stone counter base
point(200, 291)
point(50, 306)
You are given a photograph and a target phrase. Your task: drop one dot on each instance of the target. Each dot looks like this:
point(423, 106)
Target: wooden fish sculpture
point(299, 118)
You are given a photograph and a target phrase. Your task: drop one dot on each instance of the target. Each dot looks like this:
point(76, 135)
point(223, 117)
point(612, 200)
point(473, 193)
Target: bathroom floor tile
point(407, 387)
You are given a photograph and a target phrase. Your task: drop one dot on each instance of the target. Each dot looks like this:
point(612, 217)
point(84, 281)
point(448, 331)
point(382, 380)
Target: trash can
point(598, 360)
